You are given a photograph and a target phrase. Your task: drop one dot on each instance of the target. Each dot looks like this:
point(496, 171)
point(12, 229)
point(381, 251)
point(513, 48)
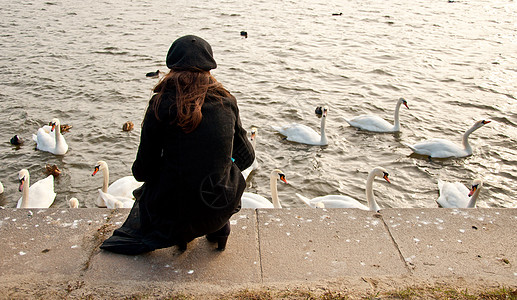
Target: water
point(85, 63)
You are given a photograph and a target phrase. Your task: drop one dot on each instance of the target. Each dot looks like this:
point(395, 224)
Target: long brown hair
point(191, 89)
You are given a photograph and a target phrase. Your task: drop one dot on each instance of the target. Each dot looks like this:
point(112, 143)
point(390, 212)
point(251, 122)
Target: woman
point(192, 148)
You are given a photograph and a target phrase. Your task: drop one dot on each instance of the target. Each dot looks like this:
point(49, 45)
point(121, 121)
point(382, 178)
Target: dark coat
point(192, 181)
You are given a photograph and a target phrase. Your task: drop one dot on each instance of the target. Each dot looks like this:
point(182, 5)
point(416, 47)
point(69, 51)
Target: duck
point(254, 166)
point(128, 126)
point(153, 74)
point(73, 203)
point(457, 195)
point(252, 200)
point(303, 134)
point(244, 34)
point(40, 195)
point(52, 170)
point(341, 201)
point(51, 140)
point(16, 140)
point(377, 124)
point(122, 187)
point(113, 202)
point(442, 148)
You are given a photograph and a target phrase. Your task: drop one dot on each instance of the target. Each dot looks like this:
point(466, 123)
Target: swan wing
point(299, 133)
point(438, 148)
point(45, 141)
point(306, 200)
point(41, 193)
point(115, 201)
point(251, 200)
point(339, 201)
point(124, 187)
point(371, 123)
point(453, 195)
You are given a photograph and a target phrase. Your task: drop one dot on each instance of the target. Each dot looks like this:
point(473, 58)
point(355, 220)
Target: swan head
point(253, 133)
point(476, 184)
point(280, 174)
point(23, 175)
point(381, 172)
point(403, 101)
point(100, 165)
point(324, 111)
point(481, 123)
point(54, 123)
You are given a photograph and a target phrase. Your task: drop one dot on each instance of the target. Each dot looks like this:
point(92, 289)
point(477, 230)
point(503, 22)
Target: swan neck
point(322, 132)
point(465, 140)
point(25, 192)
point(274, 191)
point(396, 116)
point(473, 199)
point(372, 204)
point(106, 178)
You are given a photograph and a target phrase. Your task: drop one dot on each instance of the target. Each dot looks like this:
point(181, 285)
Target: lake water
point(84, 62)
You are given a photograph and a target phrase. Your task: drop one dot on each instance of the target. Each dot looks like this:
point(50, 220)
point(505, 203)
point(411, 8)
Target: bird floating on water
point(52, 170)
point(16, 140)
point(128, 126)
point(153, 74)
point(244, 34)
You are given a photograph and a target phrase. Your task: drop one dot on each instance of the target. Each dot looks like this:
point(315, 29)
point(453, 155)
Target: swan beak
point(253, 133)
point(324, 112)
point(473, 190)
point(282, 177)
point(53, 127)
point(95, 170)
point(405, 104)
point(485, 122)
point(385, 176)
point(22, 181)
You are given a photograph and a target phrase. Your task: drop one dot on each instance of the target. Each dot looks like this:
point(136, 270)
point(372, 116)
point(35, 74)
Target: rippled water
point(455, 63)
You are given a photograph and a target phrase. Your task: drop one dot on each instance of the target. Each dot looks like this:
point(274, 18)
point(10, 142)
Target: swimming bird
point(244, 34)
point(254, 165)
point(442, 148)
point(457, 195)
point(52, 170)
point(153, 74)
point(128, 126)
point(122, 187)
point(341, 201)
point(377, 124)
point(300, 133)
point(16, 140)
point(252, 200)
point(50, 139)
point(39, 195)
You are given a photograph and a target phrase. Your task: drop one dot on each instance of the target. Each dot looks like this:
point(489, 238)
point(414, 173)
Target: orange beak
point(473, 190)
point(95, 170)
point(386, 177)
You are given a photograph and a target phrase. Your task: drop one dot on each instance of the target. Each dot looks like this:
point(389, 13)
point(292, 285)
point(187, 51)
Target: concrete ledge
point(54, 252)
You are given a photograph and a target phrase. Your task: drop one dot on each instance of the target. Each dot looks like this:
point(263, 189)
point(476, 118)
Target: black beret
point(190, 52)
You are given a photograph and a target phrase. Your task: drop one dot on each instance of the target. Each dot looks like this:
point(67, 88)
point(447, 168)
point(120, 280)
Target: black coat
point(192, 181)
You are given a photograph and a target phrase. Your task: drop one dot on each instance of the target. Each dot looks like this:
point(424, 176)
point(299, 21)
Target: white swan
point(39, 195)
point(254, 165)
point(457, 195)
point(73, 203)
point(112, 201)
point(251, 200)
point(376, 123)
point(300, 133)
point(442, 148)
point(340, 201)
point(122, 187)
point(50, 139)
